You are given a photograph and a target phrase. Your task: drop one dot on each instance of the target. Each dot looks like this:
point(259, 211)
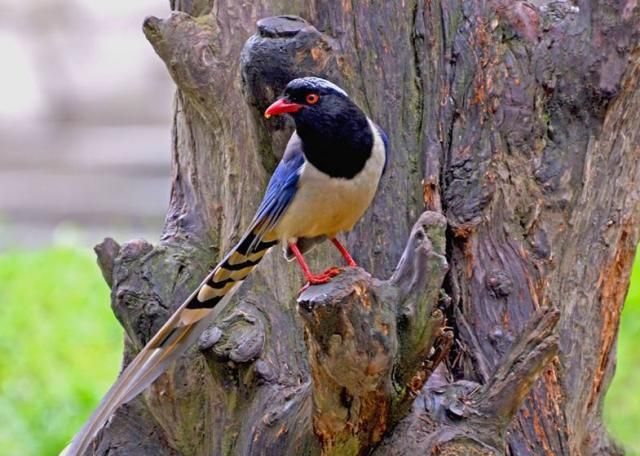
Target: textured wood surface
point(513, 122)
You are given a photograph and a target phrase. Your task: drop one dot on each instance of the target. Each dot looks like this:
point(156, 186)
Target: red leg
point(344, 252)
point(312, 279)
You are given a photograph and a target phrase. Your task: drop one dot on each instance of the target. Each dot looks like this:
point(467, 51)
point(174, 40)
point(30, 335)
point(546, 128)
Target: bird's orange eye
point(312, 98)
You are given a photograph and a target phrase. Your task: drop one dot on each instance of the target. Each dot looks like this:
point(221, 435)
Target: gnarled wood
point(368, 338)
point(516, 121)
point(464, 417)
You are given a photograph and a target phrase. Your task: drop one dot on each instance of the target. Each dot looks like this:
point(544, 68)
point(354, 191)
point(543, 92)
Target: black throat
point(339, 144)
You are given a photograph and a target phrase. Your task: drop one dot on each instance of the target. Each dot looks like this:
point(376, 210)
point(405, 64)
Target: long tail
point(177, 334)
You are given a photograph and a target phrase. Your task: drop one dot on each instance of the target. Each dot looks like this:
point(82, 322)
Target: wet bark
point(506, 223)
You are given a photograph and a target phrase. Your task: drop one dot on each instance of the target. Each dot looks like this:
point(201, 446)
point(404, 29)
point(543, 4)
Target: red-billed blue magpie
point(326, 180)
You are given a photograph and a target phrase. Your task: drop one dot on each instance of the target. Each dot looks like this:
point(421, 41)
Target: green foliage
point(60, 347)
point(61, 350)
point(622, 406)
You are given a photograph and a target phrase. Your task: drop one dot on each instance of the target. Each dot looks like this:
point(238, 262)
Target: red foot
point(319, 279)
point(316, 279)
point(332, 272)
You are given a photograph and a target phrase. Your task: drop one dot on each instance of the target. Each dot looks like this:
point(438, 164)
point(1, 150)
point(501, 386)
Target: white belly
point(327, 206)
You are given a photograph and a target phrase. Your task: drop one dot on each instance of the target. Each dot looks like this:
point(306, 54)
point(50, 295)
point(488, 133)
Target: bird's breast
point(326, 206)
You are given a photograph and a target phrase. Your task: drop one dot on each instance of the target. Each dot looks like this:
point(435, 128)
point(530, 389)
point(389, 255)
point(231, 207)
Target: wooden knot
point(238, 338)
point(281, 26)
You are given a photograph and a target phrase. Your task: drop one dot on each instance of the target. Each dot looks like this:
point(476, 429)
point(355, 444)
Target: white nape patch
point(319, 82)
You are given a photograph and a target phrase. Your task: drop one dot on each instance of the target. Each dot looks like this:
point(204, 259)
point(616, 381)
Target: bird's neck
point(340, 150)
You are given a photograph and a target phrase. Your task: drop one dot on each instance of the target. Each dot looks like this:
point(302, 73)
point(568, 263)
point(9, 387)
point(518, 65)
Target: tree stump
point(515, 158)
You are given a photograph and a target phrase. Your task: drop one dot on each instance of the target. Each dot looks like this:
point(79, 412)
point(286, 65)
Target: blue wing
point(280, 191)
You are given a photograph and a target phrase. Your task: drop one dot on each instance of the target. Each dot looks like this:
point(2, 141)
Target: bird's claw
point(322, 278)
point(332, 272)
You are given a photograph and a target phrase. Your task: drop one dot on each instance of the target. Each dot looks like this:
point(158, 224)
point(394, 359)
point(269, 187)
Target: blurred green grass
point(60, 347)
point(61, 350)
point(622, 404)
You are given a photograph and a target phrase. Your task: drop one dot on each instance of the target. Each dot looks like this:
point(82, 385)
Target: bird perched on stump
point(325, 182)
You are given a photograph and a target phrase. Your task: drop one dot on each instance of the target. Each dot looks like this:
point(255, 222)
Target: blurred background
point(85, 109)
point(85, 121)
point(85, 125)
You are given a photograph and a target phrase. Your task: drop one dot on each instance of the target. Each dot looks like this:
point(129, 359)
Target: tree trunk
point(515, 156)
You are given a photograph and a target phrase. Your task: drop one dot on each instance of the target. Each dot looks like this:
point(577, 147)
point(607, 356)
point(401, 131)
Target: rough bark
point(514, 132)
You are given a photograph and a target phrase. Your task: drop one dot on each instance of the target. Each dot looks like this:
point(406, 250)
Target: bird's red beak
point(282, 106)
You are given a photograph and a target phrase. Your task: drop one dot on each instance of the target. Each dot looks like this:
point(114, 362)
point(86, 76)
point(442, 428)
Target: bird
point(327, 178)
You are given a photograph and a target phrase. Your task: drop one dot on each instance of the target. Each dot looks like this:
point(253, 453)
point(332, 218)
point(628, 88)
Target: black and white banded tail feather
point(179, 332)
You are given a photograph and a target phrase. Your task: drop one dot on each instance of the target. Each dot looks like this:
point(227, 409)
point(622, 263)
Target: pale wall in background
point(85, 108)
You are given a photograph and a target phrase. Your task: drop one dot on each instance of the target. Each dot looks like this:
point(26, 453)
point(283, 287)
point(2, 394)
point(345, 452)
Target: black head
point(311, 99)
point(335, 133)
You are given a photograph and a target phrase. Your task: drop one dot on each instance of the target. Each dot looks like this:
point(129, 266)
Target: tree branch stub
point(368, 338)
